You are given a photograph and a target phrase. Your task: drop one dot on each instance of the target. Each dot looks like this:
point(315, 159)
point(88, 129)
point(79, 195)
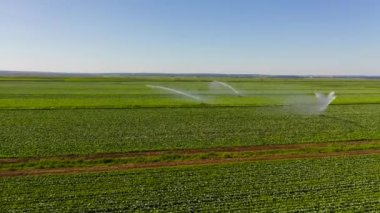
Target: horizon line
point(186, 73)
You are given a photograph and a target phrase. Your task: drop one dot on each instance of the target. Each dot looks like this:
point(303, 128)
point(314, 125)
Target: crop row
point(331, 184)
point(59, 132)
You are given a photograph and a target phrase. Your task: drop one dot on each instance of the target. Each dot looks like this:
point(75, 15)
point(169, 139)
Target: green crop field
point(70, 144)
point(86, 131)
point(133, 92)
point(333, 184)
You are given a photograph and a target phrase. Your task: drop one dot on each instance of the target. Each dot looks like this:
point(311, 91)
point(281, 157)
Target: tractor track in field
point(129, 166)
point(232, 149)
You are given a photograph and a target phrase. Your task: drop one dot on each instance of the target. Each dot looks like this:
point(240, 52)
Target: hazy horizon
point(185, 73)
point(274, 37)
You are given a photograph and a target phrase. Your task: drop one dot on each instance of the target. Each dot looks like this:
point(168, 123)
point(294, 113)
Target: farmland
point(112, 143)
point(330, 184)
point(33, 93)
point(85, 131)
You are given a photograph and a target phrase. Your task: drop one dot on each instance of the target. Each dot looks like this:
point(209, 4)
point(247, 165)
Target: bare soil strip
point(123, 167)
point(189, 151)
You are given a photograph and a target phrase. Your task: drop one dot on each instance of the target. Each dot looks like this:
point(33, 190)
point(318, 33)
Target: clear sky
point(191, 36)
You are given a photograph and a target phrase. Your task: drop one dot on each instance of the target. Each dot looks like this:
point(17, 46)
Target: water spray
point(324, 101)
point(225, 85)
point(178, 92)
point(305, 104)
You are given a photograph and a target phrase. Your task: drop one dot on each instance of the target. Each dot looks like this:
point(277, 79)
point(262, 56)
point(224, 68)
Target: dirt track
point(189, 151)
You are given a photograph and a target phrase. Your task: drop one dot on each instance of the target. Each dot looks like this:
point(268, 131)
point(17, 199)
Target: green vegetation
point(84, 131)
point(330, 184)
point(79, 125)
point(46, 93)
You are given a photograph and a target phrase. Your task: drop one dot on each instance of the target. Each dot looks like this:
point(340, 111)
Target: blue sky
point(182, 36)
